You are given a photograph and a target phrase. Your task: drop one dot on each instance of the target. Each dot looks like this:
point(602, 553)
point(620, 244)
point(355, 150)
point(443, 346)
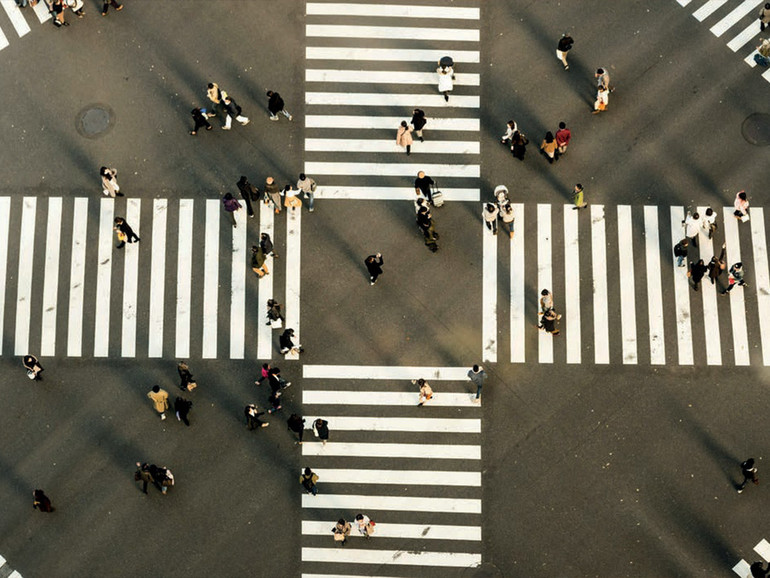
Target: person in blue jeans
point(477, 375)
point(763, 53)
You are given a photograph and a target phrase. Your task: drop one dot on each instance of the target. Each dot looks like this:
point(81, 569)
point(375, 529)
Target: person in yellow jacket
point(159, 399)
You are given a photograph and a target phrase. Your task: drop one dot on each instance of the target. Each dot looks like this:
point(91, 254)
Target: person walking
point(446, 76)
point(110, 186)
point(762, 57)
point(563, 136)
point(275, 402)
point(548, 322)
point(510, 128)
point(57, 7)
point(264, 374)
point(546, 301)
point(233, 111)
point(273, 194)
point(680, 251)
point(364, 525)
point(548, 146)
point(186, 379)
point(696, 272)
point(563, 47)
point(374, 267)
point(709, 222)
point(200, 119)
point(749, 471)
point(578, 197)
point(425, 223)
point(341, 531)
point(216, 96)
point(287, 344)
point(519, 145)
point(478, 376)
point(231, 205)
point(182, 409)
point(764, 17)
point(275, 105)
point(425, 392)
point(248, 192)
point(418, 123)
point(33, 367)
point(275, 380)
point(258, 262)
point(163, 477)
point(735, 277)
point(308, 479)
point(507, 216)
point(602, 99)
point(290, 198)
point(490, 213)
point(321, 430)
point(422, 185)
point(143, 475)
point(741, 206)
point(404, 137)
point(296, 423)
point(275, 317)
point(253, 414)
point(603, 78)
point(159, 399)
point(692, 227)
point(124, 232)
point(106, 6)
point(308, 187)
point(757, 569)
point(267, 245)
point(41, 502)
point(717, 265)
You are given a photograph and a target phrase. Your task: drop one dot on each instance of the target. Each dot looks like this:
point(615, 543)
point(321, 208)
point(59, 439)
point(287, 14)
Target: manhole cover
point(486, 570)
point(756, 129)
point(95, 120)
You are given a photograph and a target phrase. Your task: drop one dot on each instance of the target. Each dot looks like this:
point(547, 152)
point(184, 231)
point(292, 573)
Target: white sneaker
point(244, 123)
point(162, 416)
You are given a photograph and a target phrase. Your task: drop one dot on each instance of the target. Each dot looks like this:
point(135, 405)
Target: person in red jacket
point(563, 136)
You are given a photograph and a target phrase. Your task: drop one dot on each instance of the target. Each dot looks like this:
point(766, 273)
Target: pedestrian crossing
point(743, 568)
point(416, 472)
point(6, 570)
point(19, 19)
point(736, 20)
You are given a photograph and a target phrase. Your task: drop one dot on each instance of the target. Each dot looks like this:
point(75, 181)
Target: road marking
point(390, 146)
point(708, 9)
point(42, 12)
point(737, 302)
point(518, 320)
point(411, 531)
point(393, 10)
point(390, 193)
point(762, 278)
point(763, 549)
point(265, 287)
point(77, 277)
point(51, 279)
point(26, 268)
point(130, 281)
point(385, 77)
point(684, 2)
point(410, 424)
point(599, 267)
point(654, 286)
point(384, 372)
point(16, 17)
point(750, 59)
point(571, 283)
point(385, 99)
point(734, 16)
point(104, 278)
point(399, 477)
point(5, 219)
point(238, 287)
point(745, 36)
point(390, 557)
point(544, 276)
point(742, 569)
point(3, 40)
point(627, 285)
point(681, 294)
point(14, 574)
point(157, 278)
point(388, 54)
point(387, 450)
point(342, 502)
point(293, 253)
point(211, 279)
point(184, 278)
point(421, 33)
point(392, 169)
point(389, 122)
point(709, 296)
point(392, 398)
point(489, 294)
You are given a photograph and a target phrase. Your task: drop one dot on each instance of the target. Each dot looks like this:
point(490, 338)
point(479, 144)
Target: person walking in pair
point(273, 194)
point(275, 317)
point(764, 17)
point(507, 217)
point(308, 479)
point(717, 265)
point(114, 3)
point(124, 232)
point(364, 525)
point(422, 185)
point(425, 223)
point(548, 146)
point(563, 136)
point(510, 128)
point(110, 186)
point(696, 273)
point(519, 145)
point(602, 99)
point(233, 111)
point(200, 119)
point(709, 222)
point(290, 198)
point(341, 531)
point(143, 475)
point(252, 413)
point(692, 225)
point(490, 214)
point(216, 96)
point(266, 243)
point(374, 267)
point(159, 399)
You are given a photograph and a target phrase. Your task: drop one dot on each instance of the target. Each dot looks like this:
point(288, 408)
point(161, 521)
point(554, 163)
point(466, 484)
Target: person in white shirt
point(709, 222)
point(692, 227)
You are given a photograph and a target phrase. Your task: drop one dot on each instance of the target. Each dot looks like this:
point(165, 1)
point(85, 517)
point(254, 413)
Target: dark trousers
point(107, 3)
point(247, 198)
point(200, 123)
point(373, 274)
point(751, 476)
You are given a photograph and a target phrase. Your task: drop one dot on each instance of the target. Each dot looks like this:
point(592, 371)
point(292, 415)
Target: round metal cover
point(756, 129)
point(95, 120)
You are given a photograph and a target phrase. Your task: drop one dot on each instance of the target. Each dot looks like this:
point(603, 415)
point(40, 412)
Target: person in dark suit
point(374, 266)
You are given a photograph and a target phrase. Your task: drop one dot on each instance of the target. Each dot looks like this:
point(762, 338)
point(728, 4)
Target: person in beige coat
point(404, 137)
point(110, 185)
point(159, 399)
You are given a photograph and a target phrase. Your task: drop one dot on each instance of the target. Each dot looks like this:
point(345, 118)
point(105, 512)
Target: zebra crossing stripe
point(544, 276)
point(708, 9)
point(306, 575)
point(384, 99)
point(77, 278)
point(104, 279)
point(51, 278)
point(391, 557)
point(410, 424)
point(684, 2)
point(391, 32)
point(157, 278)
point(238, 287)
point(518, 321)
point(211, 279)
point(384, 372)
point(399, 477)
point(391, 398)
point(392, 10)
point(391, 170)
point(16, 17)
point(391, 193)
point(762, 278)
point(748, 34)
point(737, 303)
point(572, 284)
point(265, 286)
point(681, 294)
point(489, 295)
point(385, 77)
point(24, 289)
point(130, 281)
point(388, 122)
point(709, 296)
point(341, 502)
point(411, 531)
point(42, 12)
point(742, 569)
point(393, 450)
point(184, 278)
point(388, 54)
point(654, 286)
point(3, 40)
point(746, 7)
point(5, 219)
point(599, 266)
point(627, 286)
point(14, 574)
point(390, 146)
point(293, 254)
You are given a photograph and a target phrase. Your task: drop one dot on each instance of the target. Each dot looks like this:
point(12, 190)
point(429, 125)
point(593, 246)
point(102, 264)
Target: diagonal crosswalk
point(18, 19)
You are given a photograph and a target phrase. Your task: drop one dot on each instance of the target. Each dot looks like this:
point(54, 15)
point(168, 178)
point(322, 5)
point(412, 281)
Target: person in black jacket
point(425, 222)
point(233, 111)
point(125, 232)
point(680, 251)
point(696, 273)
point(200, 121)
point(296, 423)
point(275, 105)
point(247, 192)
point(182, 408)
point(287, 344)
point(564, 46)
point(422, 185)
point(418, 122)
point(374, 266)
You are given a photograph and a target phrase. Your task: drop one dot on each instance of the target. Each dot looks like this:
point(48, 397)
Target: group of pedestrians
point(57, 8)
point(224, 105)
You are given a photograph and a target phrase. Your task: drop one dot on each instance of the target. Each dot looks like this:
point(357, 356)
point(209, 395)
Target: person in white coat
point(692, 225)
point(446, 76)
point(110, 185)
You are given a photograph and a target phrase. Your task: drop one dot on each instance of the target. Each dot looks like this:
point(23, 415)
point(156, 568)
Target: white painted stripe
point(599, 267)
point(238, 287)
point(750, 59)
point(745, 36)
point(571, 283)
point(26, 268)
point(390, 557)
point(762, 278)
point(400, 477)
point(390, 193)
point(184, 278)
point(16, 17)
point(384, 372)
point(393, 10)
point(384, 77)
point(2, 561)
point(293, 252)
point(77, 278)
point(518, 320)
point(489, 294)
point(5, 219)
point(371, 99)
point(14, 574)
point(742, 569)
point(42, 12)
point(388, 122)
point(393, 398)
point(708, 9)
point(763, 549)
point(104, 278)
point(51, 280)
point(627, 285)
point(130, 281)
point(386, 450)
point(211, 279)
point(157, 278)
point(391, 32)
point(544, 277)
point(389, 146)
point(265, 286)
point(392, 169)
point(3, 40)
point(737, 302)
point(681, 293)
point(654, 286)
point(305, 575)
point(410, 424)
point(734, 16)
point(410, 531)
point(766, 75)
point(341, 502)
point(388, 54)
point(709, 296)
point(684, 2)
